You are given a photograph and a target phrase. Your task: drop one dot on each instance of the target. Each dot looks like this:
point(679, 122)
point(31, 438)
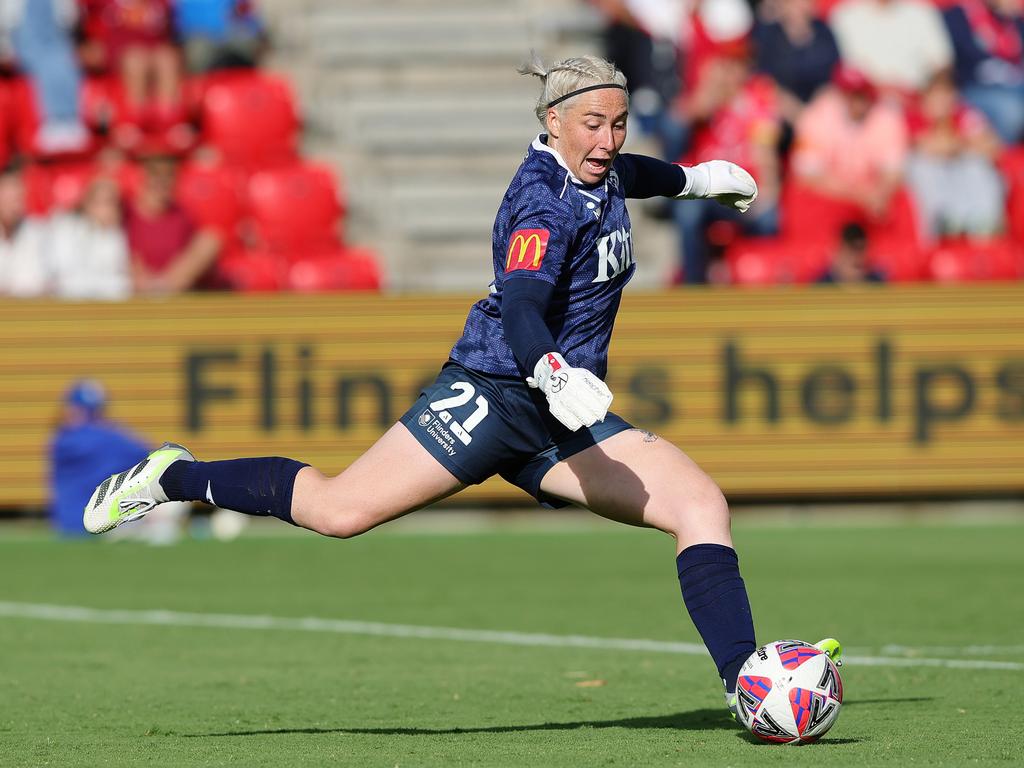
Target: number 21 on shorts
point(466, 392)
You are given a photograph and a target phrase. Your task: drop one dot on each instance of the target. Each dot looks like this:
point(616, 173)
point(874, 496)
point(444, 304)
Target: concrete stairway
point(420, 107)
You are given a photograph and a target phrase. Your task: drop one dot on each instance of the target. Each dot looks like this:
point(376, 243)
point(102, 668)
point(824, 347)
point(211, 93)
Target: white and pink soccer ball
point(789, 692)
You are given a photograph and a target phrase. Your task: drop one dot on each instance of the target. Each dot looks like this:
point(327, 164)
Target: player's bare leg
point(394, 477)
point(637, 478)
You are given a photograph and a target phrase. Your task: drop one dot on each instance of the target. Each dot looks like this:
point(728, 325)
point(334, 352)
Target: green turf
point(94, 695)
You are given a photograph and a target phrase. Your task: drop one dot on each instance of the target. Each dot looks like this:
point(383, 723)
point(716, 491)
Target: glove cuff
point(698, 180)
point(547, 365)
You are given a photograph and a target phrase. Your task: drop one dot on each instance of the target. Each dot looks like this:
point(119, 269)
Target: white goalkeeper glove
point(721, 181)
point(576, 397)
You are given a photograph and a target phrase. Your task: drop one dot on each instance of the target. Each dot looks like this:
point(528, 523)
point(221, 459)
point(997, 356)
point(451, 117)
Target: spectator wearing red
point(849, 150)
point(169, 253)
point(134, 38)
point(899, 44)
point(952, 168)
point(988, 40)
point(734, 115)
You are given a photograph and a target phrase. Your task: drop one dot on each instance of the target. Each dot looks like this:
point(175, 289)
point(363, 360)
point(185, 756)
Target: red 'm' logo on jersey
point(526, 249)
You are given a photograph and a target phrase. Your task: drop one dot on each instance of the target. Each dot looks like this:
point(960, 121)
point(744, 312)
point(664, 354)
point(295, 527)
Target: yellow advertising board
point(792, 392)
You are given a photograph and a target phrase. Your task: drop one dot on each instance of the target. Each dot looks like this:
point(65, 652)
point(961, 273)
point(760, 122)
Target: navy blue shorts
point(478, 425)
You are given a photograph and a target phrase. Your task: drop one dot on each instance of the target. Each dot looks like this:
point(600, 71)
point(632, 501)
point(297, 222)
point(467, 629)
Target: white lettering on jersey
point(614, 255)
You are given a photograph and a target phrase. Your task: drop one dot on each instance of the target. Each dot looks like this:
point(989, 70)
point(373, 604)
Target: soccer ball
point(789, 691)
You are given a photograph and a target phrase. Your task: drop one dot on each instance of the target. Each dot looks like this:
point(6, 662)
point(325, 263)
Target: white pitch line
point(966, 650)
point(82, 614)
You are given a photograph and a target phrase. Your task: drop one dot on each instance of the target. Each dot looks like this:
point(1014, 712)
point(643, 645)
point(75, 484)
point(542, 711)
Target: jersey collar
point(540, 145)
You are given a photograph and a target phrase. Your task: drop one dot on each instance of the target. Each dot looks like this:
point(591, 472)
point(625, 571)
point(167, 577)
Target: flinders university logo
point(614, 255)
point(425, 418)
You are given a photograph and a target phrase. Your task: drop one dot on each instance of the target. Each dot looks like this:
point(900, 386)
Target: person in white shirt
point(898, 44)
point(88, 249)
point(24, 271)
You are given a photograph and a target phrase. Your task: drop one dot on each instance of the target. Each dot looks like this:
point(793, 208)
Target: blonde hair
point(567, 76)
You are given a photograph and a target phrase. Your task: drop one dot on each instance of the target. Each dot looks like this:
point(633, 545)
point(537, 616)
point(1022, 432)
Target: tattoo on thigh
point(649, 437)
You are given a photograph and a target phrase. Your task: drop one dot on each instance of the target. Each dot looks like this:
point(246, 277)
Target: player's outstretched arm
point(576, 397)
point(718, 180)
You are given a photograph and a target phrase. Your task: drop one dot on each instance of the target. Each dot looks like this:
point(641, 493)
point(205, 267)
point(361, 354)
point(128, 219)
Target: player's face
point(589, 132)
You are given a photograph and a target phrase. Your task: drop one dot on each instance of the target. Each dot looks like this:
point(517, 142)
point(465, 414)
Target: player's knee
point(702, 508)
point(341, 520)
point(342, 528)
point(344, 524)
point(715, 506)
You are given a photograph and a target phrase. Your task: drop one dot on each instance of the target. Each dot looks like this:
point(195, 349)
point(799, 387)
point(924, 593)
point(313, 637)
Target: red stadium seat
point(810, 216)
point(251, 271)
point(22, 106)
point(961, 261)
point(295, 208)
point(22, 103)
point(760, 261)
point(1015, 214)
point(814, 221)
point(101, 101)
point(211, 194)
point(250, 117)
point(901, 260)
point(341, 269)
point(1012, 166)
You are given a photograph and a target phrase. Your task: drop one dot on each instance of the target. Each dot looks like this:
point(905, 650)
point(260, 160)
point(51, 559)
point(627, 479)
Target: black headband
point(584, 90)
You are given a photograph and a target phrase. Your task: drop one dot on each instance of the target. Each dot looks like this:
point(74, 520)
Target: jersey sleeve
point(644, 177)
point(541, 231)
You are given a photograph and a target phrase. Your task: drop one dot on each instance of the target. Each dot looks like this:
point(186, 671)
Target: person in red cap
point(850, 146)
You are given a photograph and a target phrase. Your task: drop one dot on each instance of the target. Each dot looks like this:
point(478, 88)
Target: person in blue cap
point(85, 449)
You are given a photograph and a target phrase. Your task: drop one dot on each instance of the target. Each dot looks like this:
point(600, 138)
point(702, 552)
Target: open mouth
point(597, 165)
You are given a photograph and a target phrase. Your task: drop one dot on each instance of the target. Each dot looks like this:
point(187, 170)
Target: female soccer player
point(522, 393)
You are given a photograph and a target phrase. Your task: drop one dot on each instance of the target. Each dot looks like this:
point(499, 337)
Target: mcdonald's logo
point(526, 249)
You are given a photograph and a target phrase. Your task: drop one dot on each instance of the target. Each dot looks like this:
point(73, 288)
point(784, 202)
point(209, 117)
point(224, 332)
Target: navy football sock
point(253, 486)
point(715, 596)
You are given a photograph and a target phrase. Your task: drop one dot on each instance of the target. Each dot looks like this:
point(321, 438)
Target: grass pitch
point(90, 693)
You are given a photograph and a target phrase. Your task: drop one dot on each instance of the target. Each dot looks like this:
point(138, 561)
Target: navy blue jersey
point(553, 227)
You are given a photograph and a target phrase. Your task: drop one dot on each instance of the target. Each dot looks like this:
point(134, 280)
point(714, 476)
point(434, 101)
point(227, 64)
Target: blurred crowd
point(144, 152)
point(888, 128)
point(108, 244)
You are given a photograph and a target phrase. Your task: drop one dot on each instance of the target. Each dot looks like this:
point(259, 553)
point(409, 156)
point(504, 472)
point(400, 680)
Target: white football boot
point(133, 493)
